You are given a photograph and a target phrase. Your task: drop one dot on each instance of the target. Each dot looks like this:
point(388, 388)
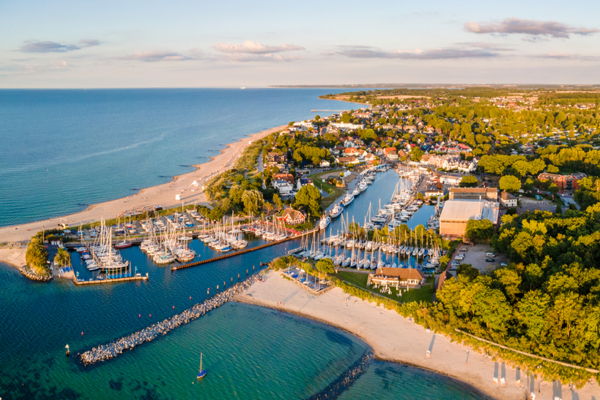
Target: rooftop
point(474, 190)
point(463, 210)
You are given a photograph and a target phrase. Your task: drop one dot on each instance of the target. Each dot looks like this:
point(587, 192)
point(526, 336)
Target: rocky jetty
point(113, 349)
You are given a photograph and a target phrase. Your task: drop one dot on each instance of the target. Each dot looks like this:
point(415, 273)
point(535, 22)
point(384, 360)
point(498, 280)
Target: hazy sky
point(180, 43)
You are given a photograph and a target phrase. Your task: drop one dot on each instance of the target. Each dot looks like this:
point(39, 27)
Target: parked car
point(460, 257)
point(490, 255)
point(489, 260)
point(455, 263)
point(503, 264)
point(464, 249)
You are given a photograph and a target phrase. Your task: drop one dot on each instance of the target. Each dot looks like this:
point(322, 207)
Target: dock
point(232, 254)
point(113, 280)
point(240, 252)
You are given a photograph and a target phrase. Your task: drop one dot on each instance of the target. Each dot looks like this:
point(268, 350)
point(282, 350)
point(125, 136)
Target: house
point(285, 188)
point(564, 182)
point(507, 199)
point(450, 179)
point(325, 164)
point(292, 217)
point(350, 151)
point(398, 277)
point(347, 160)
point(390, 153)
point(284, 177)
point(304, 182)
point(370, 158)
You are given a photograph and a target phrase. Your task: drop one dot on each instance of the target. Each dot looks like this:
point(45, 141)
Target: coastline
point(163, 194)
point(396, 339)
point(261, 303)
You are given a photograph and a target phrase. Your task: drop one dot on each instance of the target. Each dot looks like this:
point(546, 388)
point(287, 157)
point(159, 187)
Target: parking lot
point(476, 257)
point(532, 205)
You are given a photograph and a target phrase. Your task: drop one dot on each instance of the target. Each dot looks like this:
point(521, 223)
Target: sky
point(198, 43)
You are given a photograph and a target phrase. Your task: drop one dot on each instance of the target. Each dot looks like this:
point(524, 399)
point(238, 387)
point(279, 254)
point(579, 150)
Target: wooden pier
point(240, 252)
point(114, 280)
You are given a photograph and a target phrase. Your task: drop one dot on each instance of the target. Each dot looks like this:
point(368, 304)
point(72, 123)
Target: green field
point(425, 293)
point(333, 191)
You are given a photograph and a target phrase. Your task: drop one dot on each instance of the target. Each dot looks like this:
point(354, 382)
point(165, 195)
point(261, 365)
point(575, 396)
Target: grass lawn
point(333, 191)
point(425, 293)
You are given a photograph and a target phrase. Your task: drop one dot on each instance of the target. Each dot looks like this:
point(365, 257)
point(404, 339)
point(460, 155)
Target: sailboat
point(201, 372)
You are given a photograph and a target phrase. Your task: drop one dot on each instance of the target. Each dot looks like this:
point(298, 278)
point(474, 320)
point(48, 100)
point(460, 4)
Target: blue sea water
point(250, 352)
point(65, 149)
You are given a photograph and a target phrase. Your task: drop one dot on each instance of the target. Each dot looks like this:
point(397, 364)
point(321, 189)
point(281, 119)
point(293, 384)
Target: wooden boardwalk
point(114, 280)
point(240, 252)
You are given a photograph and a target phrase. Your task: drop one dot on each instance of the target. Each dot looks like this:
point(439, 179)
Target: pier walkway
point(240, 252)
point(138, 277)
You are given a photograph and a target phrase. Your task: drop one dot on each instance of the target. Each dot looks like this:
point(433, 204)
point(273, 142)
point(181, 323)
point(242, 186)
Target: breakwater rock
point(113, 349)
point(29, 273)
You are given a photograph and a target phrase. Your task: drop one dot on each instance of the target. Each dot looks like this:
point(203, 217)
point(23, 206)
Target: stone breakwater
point(113, 349)
point(344, 381)
point(25, 270)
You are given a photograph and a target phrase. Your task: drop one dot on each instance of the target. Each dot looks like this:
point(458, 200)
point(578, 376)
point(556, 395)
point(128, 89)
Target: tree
point(284, 262)
point(368, 135)
point(552, 169)
point(467, 270)
point(216, 214)
point(62, 258)
point(253, 201)
point(325, 266)
point(306, 267)
point(277, 201)
point(479, 229)
point(309, 198)
point(468, 181)
point(510, 183)
point(36, 257)
point(416, 153)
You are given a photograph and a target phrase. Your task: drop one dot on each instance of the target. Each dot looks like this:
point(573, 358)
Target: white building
point(343, 126)
point(507, 199)
point(457, 213)
point(285, 188)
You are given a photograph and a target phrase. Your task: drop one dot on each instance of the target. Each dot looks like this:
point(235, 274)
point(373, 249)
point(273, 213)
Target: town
point(498, 184)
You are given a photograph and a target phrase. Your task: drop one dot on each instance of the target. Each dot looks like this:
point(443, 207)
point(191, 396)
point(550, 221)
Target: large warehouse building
point(456, 214)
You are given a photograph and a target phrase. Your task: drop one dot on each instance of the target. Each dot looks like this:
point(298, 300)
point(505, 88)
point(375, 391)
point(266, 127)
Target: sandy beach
point(163, 195)
point(395, 338)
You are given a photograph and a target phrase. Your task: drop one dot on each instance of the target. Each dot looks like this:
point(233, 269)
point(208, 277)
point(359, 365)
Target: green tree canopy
point(416, 153)
point(308, 198)
point(479, 229)
point(36, 257)
point(468, 181)
point(253, 201)
point(62, 258)
point(510, 183)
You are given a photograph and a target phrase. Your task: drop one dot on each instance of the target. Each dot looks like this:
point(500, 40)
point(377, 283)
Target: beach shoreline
point(261, 303)
point(396, 339)
point(162, 194)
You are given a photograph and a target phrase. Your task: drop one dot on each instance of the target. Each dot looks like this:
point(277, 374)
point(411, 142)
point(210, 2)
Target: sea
point(137, 138)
